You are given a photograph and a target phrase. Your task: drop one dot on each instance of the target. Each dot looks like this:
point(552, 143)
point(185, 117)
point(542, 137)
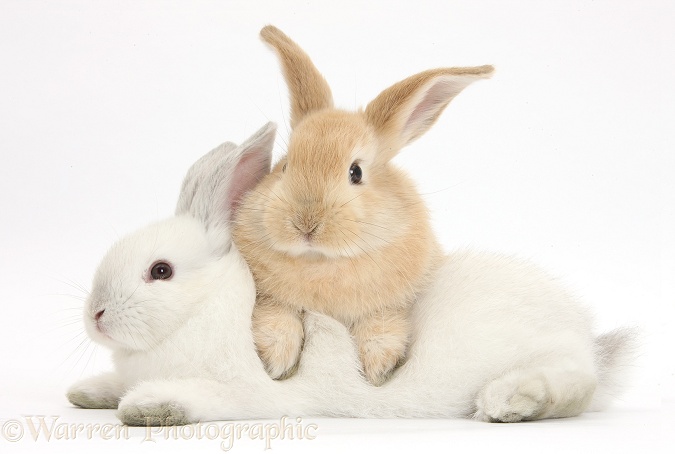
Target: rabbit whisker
point(92, 353)
point(79, 359)
point(359, 246)
point(367, 223)
point(261, 243)
point(75, 350)
point(73, 284)
point(77, 297)
point(63, 325)
point(270, 199)
point(350, 200)
point(132, 294)
point(260, 208)
point(347, 254)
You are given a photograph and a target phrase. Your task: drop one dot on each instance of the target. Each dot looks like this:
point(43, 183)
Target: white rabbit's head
point(152, 281)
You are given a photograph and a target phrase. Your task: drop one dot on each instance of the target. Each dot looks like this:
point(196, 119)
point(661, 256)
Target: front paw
point(382, 341)
point(146, 407)
point(379, 361)
point(84, 399)
point(100, 392)
point(278, 336)
point(280, 354)
point(153, 414)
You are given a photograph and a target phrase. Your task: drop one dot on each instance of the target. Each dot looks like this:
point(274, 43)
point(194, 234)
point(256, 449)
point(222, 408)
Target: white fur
point(494, 338)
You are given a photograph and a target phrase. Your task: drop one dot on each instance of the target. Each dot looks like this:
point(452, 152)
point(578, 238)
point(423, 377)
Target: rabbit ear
point(216, 183)
point(198, 173)
point(406, 110)
point(309, 91)
point(254, 160)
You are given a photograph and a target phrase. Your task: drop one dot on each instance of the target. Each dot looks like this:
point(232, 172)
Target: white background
point(564, 157)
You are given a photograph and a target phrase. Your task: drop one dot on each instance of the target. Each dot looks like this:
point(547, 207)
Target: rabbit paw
point(513, 398)
point(153, 414)
point(145, 407)
point(102, 391)
point(382, 341)
point(86, 399)
point(379, 361)
point(278, 337)
point(281, 355)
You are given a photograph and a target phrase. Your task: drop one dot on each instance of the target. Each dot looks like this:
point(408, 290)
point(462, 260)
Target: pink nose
point(98, 314)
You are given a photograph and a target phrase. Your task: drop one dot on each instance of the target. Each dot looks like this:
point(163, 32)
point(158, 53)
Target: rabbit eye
point(283, 169)
point(355, 174)
point(161, 271)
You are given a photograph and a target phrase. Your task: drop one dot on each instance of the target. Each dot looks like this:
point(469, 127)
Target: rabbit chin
point(101, 337)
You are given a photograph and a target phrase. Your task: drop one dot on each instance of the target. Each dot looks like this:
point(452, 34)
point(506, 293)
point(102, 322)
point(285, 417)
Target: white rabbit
point(494, 338)
point(165, 298)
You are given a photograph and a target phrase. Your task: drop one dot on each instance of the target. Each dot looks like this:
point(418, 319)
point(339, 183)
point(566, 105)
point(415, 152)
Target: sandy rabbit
point(336, 227)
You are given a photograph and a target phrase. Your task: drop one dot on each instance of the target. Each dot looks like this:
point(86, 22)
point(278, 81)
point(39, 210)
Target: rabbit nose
point(306, 222)
point(99, 314)
point(304, 228)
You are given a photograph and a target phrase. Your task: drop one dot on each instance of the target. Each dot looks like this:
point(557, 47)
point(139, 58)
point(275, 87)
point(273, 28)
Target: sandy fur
point(377, 251)
point(316, 92)
point(360, 253)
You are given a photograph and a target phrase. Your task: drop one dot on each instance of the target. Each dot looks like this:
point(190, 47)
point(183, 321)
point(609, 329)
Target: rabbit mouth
point(100, 328)
point(101, 331)
point(315, 239)
point(98, 332)
point(307, 246)
point(307, 249)
point(306, 239)
point(311, 249)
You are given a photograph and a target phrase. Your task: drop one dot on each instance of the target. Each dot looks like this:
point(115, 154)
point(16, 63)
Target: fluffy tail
point(615, 354)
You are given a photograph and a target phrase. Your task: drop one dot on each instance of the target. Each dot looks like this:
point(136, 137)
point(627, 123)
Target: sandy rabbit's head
point(335, 193)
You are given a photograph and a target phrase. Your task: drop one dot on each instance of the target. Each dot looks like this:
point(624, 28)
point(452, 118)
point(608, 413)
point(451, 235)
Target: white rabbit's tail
point(615, 354)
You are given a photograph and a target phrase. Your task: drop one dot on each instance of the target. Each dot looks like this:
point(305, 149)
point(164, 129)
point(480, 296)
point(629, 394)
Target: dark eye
point(161, 271)
point(283, 169)
point(355, 174)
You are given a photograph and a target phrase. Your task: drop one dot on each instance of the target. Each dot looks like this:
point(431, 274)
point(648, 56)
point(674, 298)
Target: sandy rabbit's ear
point(216, 183)
point(407, 109)
point(308, 90)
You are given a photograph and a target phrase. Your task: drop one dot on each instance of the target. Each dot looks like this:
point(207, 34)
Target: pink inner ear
point(252, 167)
point(429, 108)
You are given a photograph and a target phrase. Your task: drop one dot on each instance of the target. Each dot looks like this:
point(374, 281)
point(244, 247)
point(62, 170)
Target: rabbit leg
point(382, 339)
point(278, 336)
point(166, 402)
point(175, 402)
point(100, 391)
point(536, 393)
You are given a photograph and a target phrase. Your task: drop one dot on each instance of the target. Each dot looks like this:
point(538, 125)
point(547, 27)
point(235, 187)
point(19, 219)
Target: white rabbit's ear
point(199, 172)
point(254, 160)
point(308, 90)
point(216, 183)
point(407, 109)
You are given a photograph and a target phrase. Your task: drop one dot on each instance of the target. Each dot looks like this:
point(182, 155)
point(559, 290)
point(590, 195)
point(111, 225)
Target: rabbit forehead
point(181, 240)
point(327, 140)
